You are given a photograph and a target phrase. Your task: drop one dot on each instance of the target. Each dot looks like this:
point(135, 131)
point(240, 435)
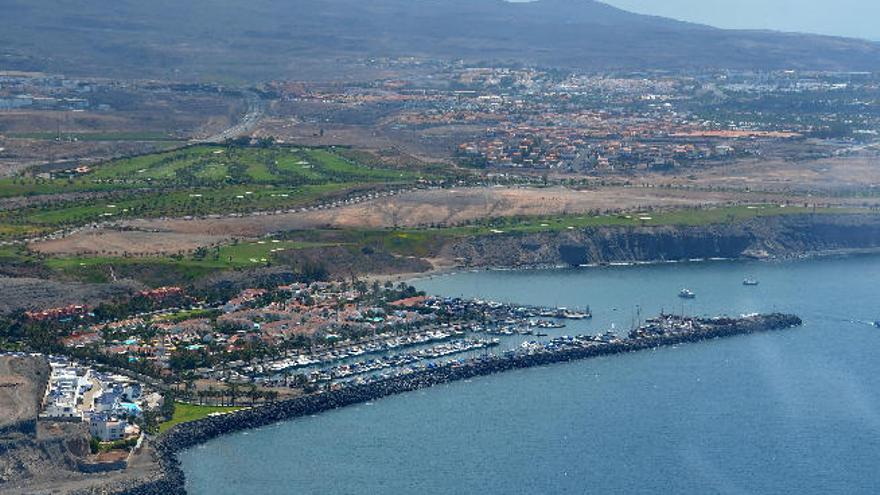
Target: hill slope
point(258, 39)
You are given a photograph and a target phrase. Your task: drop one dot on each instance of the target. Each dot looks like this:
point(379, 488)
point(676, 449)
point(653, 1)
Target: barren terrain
point(419, 208)
point(23, 293)
point(857, 172)
point(136, 123)
point(22, 382)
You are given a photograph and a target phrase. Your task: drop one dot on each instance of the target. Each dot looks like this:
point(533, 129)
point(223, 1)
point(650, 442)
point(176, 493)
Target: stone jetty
point(665, 330)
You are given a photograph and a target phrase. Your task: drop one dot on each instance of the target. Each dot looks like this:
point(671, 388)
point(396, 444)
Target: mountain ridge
point(264, 39)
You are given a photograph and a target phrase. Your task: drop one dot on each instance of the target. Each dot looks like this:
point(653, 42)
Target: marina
point(448, 326)
point(778, 388)
point(408, 361)
point(382, 343)
point(662, 331)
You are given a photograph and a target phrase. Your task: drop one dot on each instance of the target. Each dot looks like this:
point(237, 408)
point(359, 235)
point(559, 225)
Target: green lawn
point(184, 413)
point(274, 165)
point(152, 166)
point(680, 217)
point(223, 199)
point(161, 270)
point(241, 255)
point(25, 186)
point(333, 165)
point(254, 252)
point(16, 254)
point(195, 180)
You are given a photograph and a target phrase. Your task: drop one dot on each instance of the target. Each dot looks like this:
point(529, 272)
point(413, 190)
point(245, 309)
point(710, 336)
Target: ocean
point(796, 411)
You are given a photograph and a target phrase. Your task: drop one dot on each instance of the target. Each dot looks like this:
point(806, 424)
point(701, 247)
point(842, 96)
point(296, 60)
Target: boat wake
point(847, 319)
point(865, 322)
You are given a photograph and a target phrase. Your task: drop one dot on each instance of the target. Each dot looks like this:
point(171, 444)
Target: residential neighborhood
point(109, 403)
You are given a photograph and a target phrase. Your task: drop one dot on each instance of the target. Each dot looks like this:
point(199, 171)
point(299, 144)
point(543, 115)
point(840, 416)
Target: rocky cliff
point(771, 237)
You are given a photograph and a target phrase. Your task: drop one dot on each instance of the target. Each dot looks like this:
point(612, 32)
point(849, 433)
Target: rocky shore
point(778, 237)
point(171, 478)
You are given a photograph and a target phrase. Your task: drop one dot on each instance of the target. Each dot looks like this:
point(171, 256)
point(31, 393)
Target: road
point(256, 109)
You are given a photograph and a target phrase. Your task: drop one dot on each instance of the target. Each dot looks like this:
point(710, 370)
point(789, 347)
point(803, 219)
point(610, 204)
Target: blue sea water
point(789, 412)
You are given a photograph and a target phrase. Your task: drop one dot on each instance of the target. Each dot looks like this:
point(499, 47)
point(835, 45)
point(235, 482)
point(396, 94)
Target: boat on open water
point(686, 294)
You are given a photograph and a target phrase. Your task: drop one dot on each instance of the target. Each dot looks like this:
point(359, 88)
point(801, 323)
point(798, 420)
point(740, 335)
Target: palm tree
point(188, 383)
point(232, 389)
point(252, 393)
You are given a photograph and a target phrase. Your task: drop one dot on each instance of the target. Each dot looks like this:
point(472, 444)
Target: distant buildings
point(247, 296)
point(105, 401)
point(58, 313)
point(161, 293)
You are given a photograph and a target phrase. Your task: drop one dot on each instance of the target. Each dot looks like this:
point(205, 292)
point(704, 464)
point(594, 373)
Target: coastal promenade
point(665, 330)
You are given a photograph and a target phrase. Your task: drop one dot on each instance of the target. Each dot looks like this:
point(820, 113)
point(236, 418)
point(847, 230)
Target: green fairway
point(256, 252)
point(239, 255)
point(25, 186)
point(679, 217)
point(190, 181)
point(161, 270)
point(184, 413)
point(229, 199)
point(273, 165)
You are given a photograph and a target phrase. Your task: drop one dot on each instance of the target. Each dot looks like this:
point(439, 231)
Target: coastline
point(181, 437)
point(779, 238)
point(455, 269)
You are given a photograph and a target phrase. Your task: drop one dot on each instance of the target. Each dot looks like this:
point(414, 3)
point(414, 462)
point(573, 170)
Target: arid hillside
point(266, 39)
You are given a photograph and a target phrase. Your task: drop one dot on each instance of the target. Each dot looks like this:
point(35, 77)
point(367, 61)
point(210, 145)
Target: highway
point(255, 111)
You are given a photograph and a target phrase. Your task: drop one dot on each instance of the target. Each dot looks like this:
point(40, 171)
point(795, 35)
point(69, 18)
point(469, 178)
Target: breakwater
point(664, 331)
